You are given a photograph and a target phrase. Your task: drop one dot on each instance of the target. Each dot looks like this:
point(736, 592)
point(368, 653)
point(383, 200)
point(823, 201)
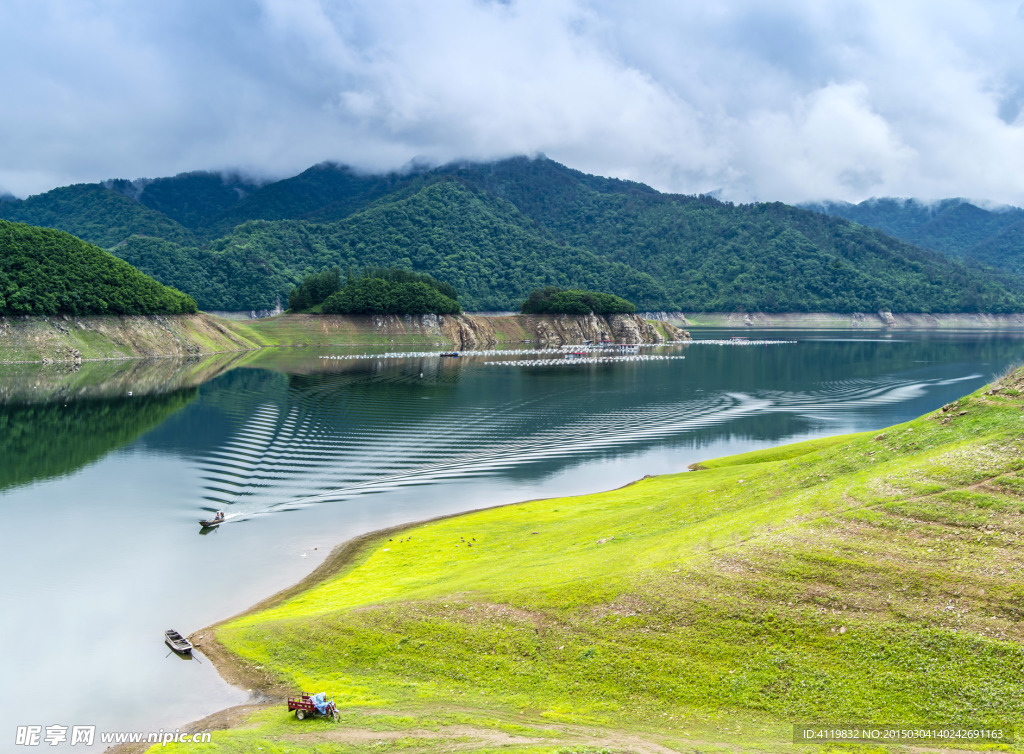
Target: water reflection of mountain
point(67, 381)
point(295, 428)
point(56, 418)
point(44, 440)
point(226, 403)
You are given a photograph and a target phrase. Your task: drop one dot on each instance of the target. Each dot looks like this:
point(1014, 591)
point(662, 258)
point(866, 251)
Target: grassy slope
point(864, 578)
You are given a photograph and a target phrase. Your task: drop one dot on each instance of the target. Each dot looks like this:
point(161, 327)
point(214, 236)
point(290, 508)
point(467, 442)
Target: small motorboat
point(450, 355)
point(177, 642)
point(217, 520)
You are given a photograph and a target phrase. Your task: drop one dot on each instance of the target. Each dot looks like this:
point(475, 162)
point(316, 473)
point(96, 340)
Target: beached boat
point(177, 642)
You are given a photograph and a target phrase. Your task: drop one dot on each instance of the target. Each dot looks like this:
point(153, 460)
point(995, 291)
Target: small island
point(377, 290)
point(554, 300)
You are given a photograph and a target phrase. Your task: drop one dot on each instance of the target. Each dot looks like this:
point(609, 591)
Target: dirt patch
point(472, 738)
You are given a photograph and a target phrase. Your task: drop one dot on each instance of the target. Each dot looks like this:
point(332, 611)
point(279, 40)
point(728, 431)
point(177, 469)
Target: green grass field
point(873, 578)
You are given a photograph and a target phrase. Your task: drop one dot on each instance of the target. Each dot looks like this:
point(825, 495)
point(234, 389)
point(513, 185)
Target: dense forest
point(45, 271)
point(554, 300)
point(376, 290)
point(953, 226)
point(499, 230)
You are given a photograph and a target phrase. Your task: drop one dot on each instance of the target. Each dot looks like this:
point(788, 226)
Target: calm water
point(100, 494)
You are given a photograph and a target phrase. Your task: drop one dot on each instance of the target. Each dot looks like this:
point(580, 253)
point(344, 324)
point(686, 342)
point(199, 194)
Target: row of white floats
point(565, 362)
point(496, 352)
point(741, 342)
point(602, 354)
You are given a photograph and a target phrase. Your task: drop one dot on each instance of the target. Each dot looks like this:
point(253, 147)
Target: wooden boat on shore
point(177, 642)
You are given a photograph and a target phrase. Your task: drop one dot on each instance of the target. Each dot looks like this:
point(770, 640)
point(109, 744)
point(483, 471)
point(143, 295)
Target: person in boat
point(219, 516)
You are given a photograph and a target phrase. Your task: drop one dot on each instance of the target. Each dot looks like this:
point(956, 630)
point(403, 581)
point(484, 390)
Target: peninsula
point(865, 577)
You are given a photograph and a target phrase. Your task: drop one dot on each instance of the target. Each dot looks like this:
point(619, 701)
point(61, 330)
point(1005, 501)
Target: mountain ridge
point(957, 227)
point(497, 230)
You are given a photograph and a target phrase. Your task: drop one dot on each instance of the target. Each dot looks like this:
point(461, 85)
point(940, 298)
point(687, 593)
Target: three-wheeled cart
point(313, 705)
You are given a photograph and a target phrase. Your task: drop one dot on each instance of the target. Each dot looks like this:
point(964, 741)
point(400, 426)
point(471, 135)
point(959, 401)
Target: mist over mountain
point(498, 230)
point(957, 227)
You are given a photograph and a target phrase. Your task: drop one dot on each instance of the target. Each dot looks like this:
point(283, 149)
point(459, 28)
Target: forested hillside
point(496, 231)
point(94, 213)
point(484, 247)
point(953, 226)
point(45, 271)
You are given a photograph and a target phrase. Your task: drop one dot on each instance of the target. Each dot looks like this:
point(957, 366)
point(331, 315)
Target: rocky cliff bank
point(66, 338)
point(76, 339)
point(563, 329)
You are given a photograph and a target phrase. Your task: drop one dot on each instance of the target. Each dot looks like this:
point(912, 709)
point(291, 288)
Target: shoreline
point(263, 690)
point(268, 694)
point(61, 339)
point(884, 321)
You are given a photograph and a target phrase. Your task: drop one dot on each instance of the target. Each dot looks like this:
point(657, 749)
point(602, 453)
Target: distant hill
point(953, 226)
point(498, 230)
point(44, 271)
point(95, 213)
point(195, 200)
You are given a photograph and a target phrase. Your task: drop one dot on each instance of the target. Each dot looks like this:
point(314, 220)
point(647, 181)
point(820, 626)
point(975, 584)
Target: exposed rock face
point(71, 339)
point(467, 332)
point(561, 329)
point(63, 338)
point(664, 316)
point(631, 328)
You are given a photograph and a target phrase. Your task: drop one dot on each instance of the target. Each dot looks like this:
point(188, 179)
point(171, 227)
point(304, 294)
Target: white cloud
point(831, 143)
point(791, 101)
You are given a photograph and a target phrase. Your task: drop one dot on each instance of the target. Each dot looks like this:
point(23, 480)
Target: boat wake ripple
point(329, 445)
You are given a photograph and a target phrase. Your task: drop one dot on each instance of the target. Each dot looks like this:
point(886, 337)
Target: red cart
point(304, 706)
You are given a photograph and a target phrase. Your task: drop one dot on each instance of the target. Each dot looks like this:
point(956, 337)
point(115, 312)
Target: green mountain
point(488, 250)
point(953, 226)
point(498, 230)
point(323, 193)
point(97, 214)
point(195, 200)
point(44, 271)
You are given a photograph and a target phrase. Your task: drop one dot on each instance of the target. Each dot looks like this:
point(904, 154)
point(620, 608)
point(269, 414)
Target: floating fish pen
point(439, 354)
point(741, 342)
point(582, 351)
point(572, 360)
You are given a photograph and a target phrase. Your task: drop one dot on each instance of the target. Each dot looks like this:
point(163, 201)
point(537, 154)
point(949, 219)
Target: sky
point(789, 100)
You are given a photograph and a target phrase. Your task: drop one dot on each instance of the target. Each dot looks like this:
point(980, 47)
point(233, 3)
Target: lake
point(104, 472)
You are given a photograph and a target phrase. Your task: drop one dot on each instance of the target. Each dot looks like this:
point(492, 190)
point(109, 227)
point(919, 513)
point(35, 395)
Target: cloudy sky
point(786, 100)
